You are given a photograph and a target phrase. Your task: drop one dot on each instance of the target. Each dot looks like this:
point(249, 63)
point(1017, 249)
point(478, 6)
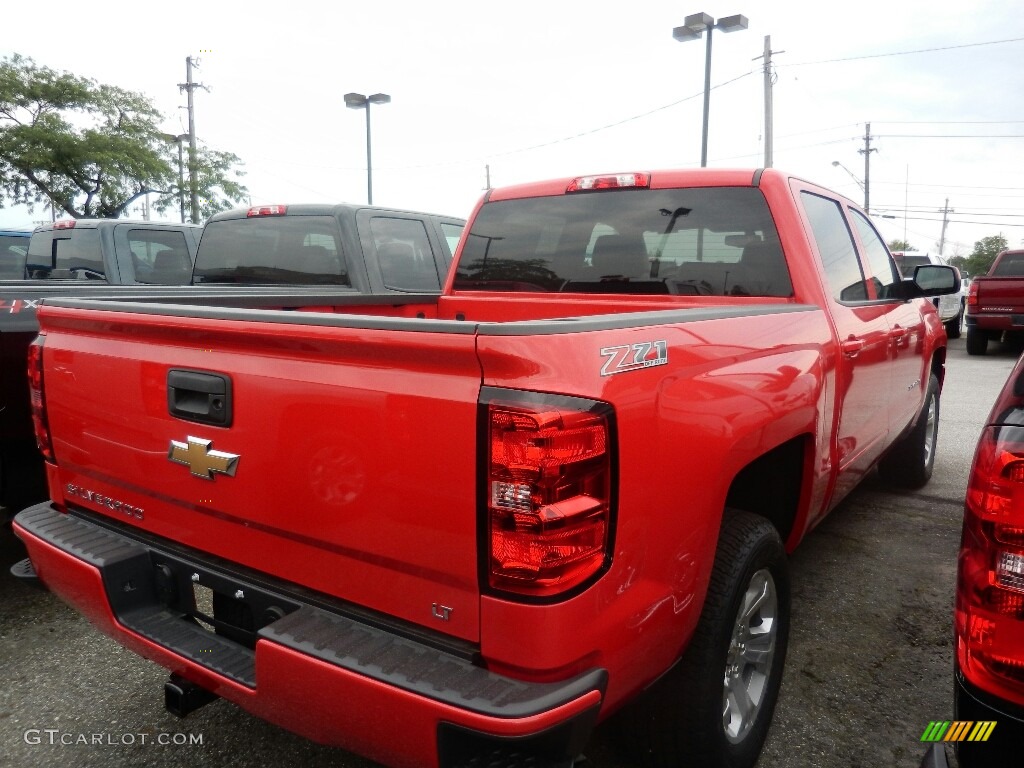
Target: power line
point(952, 122)
point(963, 221)
point(923, 209)
point(903, 53)
point(619, 122)
point(950, 136)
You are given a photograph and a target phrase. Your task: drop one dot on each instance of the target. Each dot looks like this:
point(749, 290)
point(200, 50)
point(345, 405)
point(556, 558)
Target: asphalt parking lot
point(869, 665)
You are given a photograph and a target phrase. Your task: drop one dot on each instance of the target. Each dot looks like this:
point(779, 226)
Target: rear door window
point(836, 248)
point(452, 235)
point(160, 257)
point(13, 249)
point(404, 254)
point(884, 274)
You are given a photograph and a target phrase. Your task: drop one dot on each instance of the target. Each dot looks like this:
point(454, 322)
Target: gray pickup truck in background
point(273, 251)
point(70, 257)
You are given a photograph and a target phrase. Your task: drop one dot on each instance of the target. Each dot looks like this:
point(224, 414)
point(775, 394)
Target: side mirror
point(936, 280)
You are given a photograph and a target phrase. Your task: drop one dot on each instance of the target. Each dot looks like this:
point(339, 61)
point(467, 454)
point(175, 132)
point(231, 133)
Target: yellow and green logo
point(958, 730)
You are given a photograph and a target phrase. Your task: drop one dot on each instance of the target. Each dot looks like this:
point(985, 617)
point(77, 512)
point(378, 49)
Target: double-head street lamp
point(692, 28)
point(358, 101)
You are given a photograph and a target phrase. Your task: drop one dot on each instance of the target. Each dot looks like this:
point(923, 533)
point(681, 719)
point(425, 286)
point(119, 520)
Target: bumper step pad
point(127, 568)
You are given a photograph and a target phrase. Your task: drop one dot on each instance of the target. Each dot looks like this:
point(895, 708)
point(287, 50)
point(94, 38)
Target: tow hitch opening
point(182, 697)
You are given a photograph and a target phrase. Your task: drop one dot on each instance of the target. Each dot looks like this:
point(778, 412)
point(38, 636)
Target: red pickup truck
point(995, 303)
point(441, 531)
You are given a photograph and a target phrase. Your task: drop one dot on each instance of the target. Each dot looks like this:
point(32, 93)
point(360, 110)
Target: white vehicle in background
point(952, 306)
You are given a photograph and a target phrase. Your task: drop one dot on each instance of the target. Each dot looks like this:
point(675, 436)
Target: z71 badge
point(632, 357)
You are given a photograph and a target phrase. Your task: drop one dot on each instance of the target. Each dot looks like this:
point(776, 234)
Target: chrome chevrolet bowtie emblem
point(201, 461)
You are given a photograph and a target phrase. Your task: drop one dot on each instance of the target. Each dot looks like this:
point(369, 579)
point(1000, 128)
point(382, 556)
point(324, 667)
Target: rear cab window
point(719, 241)
point(272, 250)
point(1011, 265)
point(65, 254)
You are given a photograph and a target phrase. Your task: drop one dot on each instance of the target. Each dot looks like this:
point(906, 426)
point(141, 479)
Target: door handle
point(199, 396)
point(852, 347)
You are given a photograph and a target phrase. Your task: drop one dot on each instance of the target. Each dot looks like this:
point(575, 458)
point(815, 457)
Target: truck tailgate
point(1001, 295)
point(355, 447)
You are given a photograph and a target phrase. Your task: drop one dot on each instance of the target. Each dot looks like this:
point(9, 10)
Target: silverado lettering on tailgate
point(105, 501)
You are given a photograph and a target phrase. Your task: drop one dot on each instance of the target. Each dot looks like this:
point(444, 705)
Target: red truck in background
point(995, 303)
point(462, 530)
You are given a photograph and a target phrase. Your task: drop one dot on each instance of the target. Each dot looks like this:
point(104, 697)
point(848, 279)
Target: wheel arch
point(774, 485)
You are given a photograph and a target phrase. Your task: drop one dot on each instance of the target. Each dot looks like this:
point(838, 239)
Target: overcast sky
point(565, 87)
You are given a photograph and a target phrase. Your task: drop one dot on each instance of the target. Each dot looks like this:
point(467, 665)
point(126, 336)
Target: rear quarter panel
point(730, 390)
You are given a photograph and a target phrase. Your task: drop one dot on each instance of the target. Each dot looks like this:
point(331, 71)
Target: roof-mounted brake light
point(64, 224)
point(612, 181)
point(267, 210)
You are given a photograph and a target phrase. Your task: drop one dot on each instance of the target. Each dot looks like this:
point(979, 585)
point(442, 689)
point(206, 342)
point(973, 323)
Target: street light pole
point(862, 184)
point(693, 26)
point(359, 101)
point(181, 168)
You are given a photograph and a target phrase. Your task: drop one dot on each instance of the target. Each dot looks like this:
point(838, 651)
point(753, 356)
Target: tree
point(901, 246)
point(984, 253)
point(960, 263)
point(91, 149)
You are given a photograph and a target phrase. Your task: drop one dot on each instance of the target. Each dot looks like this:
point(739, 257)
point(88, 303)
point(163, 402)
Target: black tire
point(953, 326)
point(690, 717)
point(910, 462)
point(977, 341)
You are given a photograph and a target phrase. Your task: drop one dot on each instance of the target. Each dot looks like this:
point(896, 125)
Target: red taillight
point(972, 294)
point(610, 181)
point(267, 210)
point(990, 583)
point(35, 388)
point(64, 224)
point(548, 496)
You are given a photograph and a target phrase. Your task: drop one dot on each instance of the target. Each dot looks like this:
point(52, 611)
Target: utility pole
point(868, 149)
point(193, 163)
point(945, 211)
point(768, 82)
point(487, 172)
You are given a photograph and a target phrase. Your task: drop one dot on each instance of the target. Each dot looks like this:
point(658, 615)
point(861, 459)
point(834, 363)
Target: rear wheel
point(910, 462)
point(977, 341)
point(953, 326)
point(714, 707)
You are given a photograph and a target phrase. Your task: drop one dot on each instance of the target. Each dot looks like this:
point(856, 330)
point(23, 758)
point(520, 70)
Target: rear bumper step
point(26, 574)
point(148, 593)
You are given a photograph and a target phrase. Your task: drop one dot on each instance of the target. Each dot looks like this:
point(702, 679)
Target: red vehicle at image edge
point(563, 489)
point(989, 679)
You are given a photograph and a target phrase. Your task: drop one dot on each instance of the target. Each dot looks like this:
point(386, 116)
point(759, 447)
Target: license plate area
point(202, 595)
point(217, 602)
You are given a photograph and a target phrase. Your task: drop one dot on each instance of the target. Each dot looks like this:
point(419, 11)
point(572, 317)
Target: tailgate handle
point(199, 396)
